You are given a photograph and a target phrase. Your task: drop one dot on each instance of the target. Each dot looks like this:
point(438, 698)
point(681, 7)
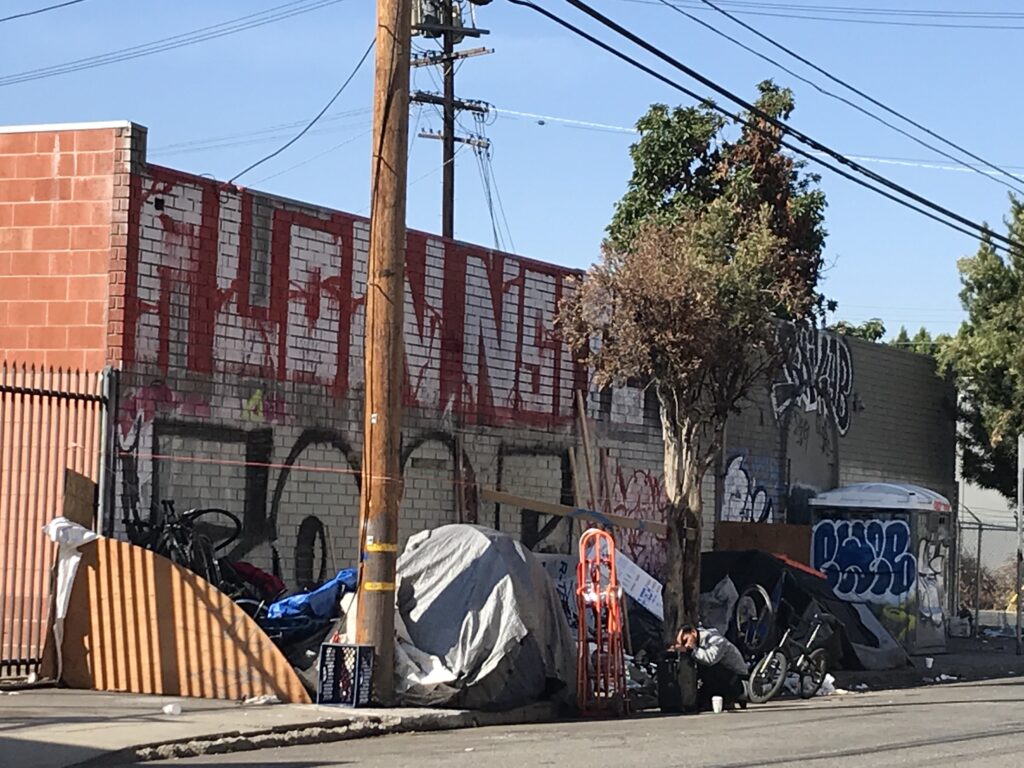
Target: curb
point(342, 729)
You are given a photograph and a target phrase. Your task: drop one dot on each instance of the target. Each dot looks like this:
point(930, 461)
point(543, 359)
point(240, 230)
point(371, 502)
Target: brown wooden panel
point(79, 499)
point(791, 540)
point(138, 623)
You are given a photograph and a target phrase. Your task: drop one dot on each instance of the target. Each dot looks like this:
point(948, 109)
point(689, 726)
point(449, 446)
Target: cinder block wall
point(884, 416)
point(243, 378)
point(904, 422)
point(63, 202)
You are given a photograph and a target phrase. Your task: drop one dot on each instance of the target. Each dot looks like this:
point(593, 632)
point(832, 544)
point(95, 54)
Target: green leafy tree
point(987, 358)
point(714, 241)
point(902, 339)
point(922, 342)
point(872, 330)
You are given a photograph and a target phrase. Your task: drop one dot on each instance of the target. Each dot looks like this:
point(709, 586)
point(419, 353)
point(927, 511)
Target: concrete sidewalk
point(965, 659)
point(52, 728)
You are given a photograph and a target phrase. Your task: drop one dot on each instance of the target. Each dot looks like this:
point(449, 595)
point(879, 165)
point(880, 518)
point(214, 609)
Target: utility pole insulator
point(464, 105)
point(473, 141)
point(436, 59)
point(444, 19)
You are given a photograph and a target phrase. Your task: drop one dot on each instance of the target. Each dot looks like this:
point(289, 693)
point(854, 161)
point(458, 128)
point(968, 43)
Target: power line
point(840, 19)
point(489, 159)
point(953, 220)
point(458, 149)
point(851, 9)
point(501, 205)
point(485, 183)
point(492, 194)
point(859, 92)
point(315, 157)
point(37, 11)
point(567, 121)
point(274, 130)
point(279, 131)
point(830, 94)
point(908, 162)
point(323, 130)
point(312, 122)
point(240, 24)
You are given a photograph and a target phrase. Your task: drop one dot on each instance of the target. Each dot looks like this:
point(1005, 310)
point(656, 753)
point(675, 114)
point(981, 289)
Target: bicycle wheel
point(812, 673)
point(204, 560)
point(221, 527)
point(767, 677)
point(754, 617)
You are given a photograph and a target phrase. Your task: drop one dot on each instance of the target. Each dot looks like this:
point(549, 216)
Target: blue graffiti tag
point(866, 560)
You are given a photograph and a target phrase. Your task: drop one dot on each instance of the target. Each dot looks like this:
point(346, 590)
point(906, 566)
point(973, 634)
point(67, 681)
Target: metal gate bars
point(52, 423)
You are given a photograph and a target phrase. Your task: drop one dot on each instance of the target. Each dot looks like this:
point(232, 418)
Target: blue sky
point(558, 182)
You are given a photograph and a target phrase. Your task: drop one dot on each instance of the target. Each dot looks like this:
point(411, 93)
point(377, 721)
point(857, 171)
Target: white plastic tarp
point(69, 537)
point(478, 622)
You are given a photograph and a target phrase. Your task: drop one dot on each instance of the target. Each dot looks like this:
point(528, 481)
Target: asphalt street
point(976, 724)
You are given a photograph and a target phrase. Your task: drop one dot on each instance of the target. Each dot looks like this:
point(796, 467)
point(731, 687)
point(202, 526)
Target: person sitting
point(721, 668)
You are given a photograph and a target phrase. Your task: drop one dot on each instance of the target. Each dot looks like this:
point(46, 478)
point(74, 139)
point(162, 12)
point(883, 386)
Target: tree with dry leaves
point(715, 242)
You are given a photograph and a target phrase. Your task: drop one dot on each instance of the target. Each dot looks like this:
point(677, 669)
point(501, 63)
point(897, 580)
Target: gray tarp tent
point(479, 623)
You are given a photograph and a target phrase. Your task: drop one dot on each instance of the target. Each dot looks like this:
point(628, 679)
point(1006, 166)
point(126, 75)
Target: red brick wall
point(57, 190)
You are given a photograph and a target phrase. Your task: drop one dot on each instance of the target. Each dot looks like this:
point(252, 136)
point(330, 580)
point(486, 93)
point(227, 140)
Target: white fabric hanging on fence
point(69, 537)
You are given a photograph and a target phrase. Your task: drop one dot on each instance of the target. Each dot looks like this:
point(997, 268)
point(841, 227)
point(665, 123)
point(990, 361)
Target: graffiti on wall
point(931, 559)
point(745, 499)
point(817, 375)
point(230, 281)
point(259, 304)
point(639, 494)
point(866, 560)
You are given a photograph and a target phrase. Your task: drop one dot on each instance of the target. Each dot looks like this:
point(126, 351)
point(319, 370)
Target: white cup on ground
point(716, 704)
point(928, 661)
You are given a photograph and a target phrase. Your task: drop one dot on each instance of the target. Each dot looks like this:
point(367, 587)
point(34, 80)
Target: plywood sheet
point(139, 623)
point(79, 499)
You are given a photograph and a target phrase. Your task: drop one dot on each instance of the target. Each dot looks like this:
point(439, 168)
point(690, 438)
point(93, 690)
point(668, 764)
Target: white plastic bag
point(69, 537)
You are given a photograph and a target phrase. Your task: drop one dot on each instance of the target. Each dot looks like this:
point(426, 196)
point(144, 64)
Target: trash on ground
point(828, 685)
point(172, 709)
point(255, 701)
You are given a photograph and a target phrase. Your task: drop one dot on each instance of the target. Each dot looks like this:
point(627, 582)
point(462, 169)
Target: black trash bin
point(670, 695)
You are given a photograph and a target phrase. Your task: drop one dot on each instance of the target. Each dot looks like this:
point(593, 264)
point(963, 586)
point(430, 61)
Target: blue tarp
point(321, 603)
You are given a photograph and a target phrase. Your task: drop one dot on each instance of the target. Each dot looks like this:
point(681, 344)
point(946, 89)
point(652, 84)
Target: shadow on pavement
point(835, 755)
point(39, 754)
point(242, 762)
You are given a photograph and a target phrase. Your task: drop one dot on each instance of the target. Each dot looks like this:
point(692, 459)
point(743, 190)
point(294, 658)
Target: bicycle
point(808, 660)
point(753, 620)
point(188, 539)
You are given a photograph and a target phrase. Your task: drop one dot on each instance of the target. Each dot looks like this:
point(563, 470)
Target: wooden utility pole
point(448, 122)
point(445, 21)
point(381, 489)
